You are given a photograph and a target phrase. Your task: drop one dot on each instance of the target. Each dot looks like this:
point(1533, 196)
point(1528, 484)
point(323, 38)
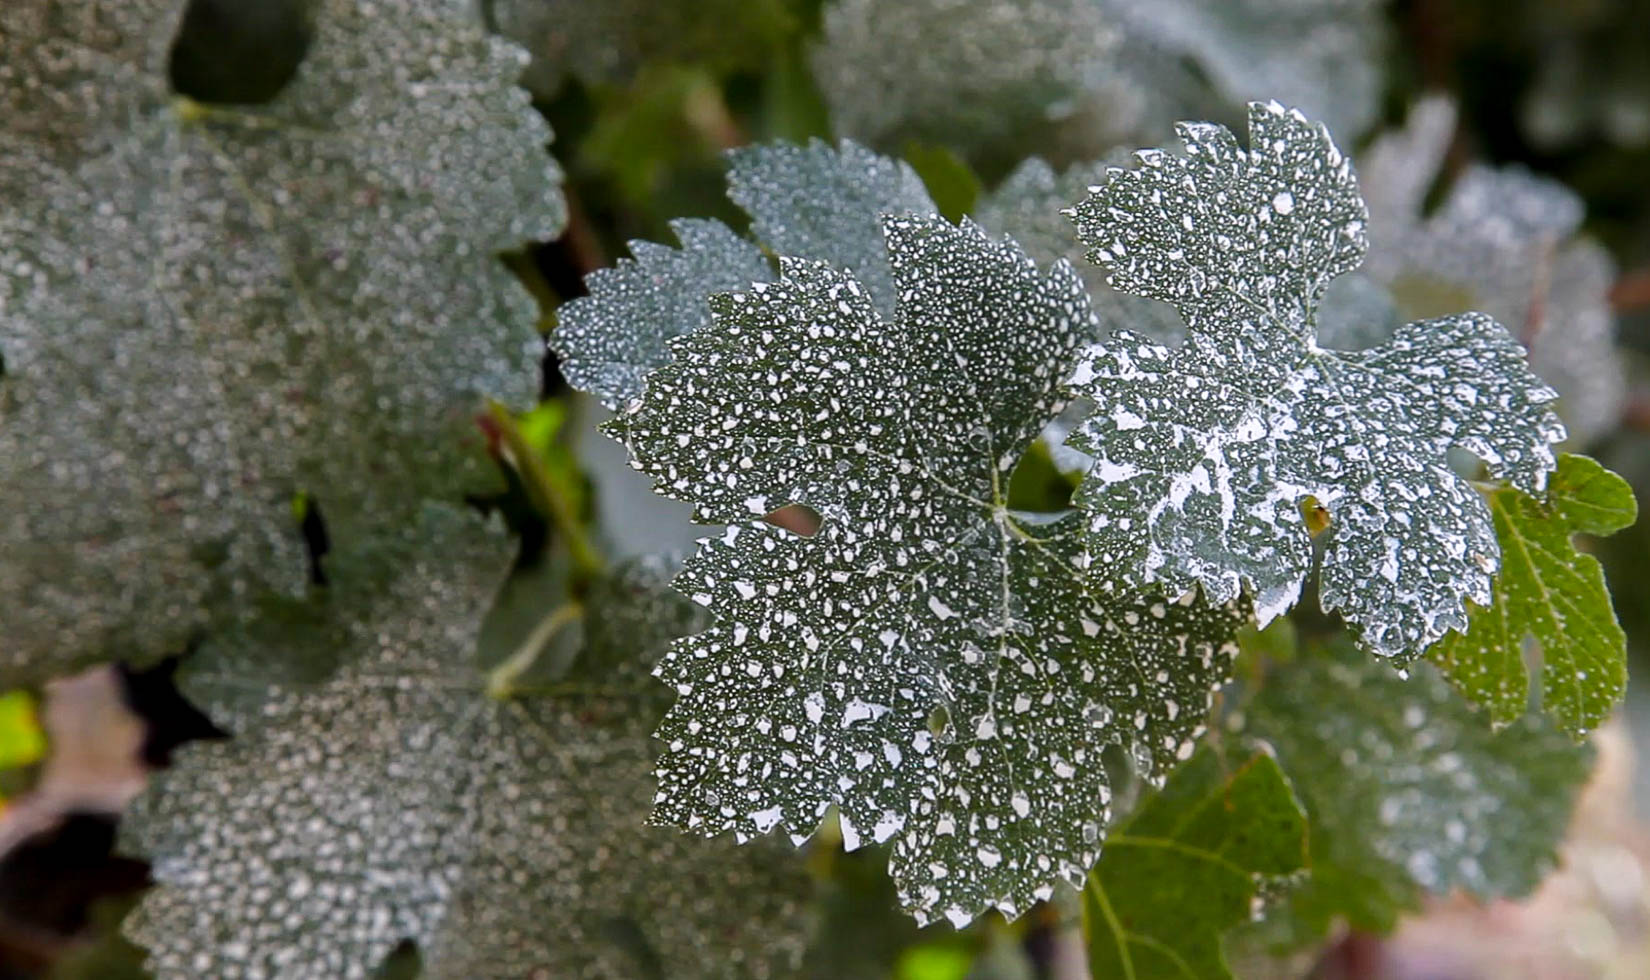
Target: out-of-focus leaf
point(1550, 591)
point(1204, 453)
point(1408, 791)
point(397, 800)
point(975, 75)
point(929, 663)
point(205, 311)
point(1503, 241)
point(1185, 867)
point(1322, 56)
point(609, 41)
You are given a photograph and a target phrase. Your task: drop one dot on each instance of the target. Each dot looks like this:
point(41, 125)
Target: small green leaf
point(22, 742)
point(1552, 592)
point(1184, 869)
point(1407, 790)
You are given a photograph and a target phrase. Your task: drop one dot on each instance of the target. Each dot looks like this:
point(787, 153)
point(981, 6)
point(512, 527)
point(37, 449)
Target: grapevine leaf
point(400, 801)
point(1207, 453)
point(1183, 870)
point(1408, 791)
point(1552, 592)
point(611, 338)
point(1026, 207)
point(827, 203)
point(206, 311)
point(929, 662)
point(816, 201)
point(610, 41)
point(1504, 241)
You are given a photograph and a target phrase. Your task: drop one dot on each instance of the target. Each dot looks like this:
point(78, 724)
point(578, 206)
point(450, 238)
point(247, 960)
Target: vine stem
point(501, 680)
point(546, 494)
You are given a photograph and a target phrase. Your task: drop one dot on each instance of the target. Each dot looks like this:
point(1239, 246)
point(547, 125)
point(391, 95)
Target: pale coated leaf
point(207, 311)
point(1185, 868)
point(1503, 241)
point(399, 800)
point(824, 202)
point(1320, 55)
point(1206, 453)
point(1026, 207)
point(929, 662)
point(1408, 790)
point(964, 73)
point(815, 201)
point(1550, 591)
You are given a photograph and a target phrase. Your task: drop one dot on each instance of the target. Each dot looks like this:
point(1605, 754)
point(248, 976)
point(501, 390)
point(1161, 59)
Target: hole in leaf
point(1037, 485)
point(939, 723)
point(171, 720)
point(796, 518)
point(239, 52)
point(314, 529)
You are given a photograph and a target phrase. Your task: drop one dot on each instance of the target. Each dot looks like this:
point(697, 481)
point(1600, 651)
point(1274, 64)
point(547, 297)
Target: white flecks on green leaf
point(1185, 868)
point(929, 663)
point(1551, 592)
point(1408, 791)
point(824, 202)
point(609, 340)
point(207, 310)
point(1205, 452)
point(399, 801)
point(814, 201)
point(1503, 241)
point(1026, 207)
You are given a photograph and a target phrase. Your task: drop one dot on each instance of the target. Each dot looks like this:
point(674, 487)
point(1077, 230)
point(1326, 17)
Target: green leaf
point(1206, 452)
point(1550, 591)
point(396, 801)
point(930, 663)
point(815, 201)
point(209, 310)
point(1183, 869)
point(1408, 791)
point(22, 743)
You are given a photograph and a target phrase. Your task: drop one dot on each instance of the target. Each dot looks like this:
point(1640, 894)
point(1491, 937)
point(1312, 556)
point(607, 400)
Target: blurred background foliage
point(646, 95)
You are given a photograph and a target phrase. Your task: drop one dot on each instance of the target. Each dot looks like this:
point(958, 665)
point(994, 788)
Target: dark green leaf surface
point(398, 801)
point(1551, 592)
point(1408, 790)
point(1206, 453)
point(1183, 870)
point(929, 662)
point(206, 311)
